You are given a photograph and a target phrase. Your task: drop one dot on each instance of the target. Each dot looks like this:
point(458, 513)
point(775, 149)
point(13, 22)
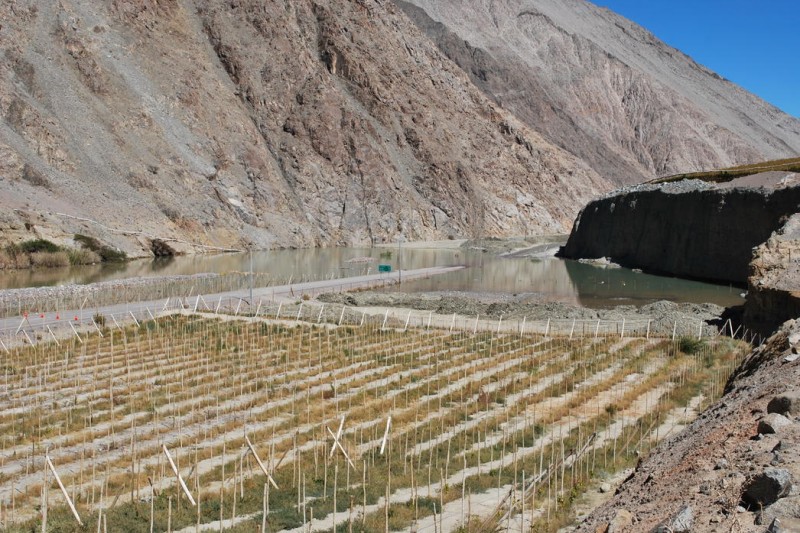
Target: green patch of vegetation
point(106, 253)
point(44, 253)
point(690, 345)
point(37, 245)
point(728, 174)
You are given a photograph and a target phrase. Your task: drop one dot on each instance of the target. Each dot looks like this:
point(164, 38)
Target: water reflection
point(529, 279)
point(605, 287)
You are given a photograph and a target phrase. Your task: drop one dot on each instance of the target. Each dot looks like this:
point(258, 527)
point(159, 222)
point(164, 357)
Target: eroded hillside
point(605, 88)
point(272, 123)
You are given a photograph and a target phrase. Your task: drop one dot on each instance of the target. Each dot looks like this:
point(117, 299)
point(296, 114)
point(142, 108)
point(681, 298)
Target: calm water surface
point(548, 279)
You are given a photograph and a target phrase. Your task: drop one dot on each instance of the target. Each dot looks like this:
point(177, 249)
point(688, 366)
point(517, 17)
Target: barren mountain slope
point(272, 123)
point(605, 88)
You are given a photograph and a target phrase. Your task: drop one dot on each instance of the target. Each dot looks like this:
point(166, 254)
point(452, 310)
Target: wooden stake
point(51, 334)
point(178, 475)
point(63, 490)
point(260, 464)
point(386, 434)
point(75, 331)
point(337, 444)
point(95, 327)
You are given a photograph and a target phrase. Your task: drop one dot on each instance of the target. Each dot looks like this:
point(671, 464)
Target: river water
point(542, 279)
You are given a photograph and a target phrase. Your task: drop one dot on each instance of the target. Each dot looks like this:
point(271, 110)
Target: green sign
point(384, 268)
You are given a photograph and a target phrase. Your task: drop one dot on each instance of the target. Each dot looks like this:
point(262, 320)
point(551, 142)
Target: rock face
point(687, 229)
point(718, 474)
point(605, 88)
point(774, 284)
point(264, 123)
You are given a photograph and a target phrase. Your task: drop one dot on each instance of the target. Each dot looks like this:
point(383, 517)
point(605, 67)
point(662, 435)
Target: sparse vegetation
point(727, 174)
point(495, 403)
point(106, 253)
point(42, 253)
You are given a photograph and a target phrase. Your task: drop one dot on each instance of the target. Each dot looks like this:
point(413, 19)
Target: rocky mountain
point(258, 123)
point(605, 88)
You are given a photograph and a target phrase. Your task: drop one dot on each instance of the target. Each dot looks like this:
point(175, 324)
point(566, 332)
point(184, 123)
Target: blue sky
point(755, 44)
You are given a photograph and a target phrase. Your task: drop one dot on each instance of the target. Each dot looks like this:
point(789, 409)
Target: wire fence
point(34, 329)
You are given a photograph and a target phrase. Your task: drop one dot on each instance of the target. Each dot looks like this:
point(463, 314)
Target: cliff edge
point(688, 229)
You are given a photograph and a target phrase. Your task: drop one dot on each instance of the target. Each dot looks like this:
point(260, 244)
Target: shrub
point(7, 261)
point(99, 319)
point(690, 346)
point(22, 260)
point(106, 253)
point(82, 256)
point(50, 259)
point(38, 245)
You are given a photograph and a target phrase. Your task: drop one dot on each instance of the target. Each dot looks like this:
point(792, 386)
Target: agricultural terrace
point(488, 429)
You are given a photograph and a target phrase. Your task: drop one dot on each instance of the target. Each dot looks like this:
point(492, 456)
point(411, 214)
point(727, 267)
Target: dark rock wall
point(678, 230)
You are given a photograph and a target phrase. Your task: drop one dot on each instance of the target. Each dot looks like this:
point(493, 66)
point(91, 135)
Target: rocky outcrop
point(773, 294)
point(721, 469)
point(605, 88)
point(258, 123)
point(687, 229)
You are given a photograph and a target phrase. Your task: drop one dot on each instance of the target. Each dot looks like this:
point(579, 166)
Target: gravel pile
point(672, 187)
point(494, 306)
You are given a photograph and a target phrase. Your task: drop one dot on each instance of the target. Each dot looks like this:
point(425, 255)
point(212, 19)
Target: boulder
point(772, 423)
point(767, 487)
point(786, 511)
point(785, 404)
point(775, 527)
point(622, 520)
point(681, 522)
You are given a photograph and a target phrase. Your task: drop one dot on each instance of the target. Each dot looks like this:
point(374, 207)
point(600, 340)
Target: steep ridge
point(605, 88)
point(251, 123)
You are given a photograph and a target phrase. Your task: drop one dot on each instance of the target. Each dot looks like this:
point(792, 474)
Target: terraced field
point(488, 429)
